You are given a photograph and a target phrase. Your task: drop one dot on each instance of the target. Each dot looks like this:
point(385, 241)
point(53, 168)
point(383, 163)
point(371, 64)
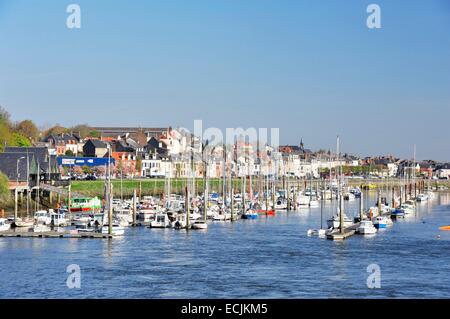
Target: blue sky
point(311, 68)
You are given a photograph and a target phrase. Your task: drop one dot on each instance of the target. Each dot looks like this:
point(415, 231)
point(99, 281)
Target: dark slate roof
point(62, 138)
point(98, 143)
point(47, 163)
point(9, 165)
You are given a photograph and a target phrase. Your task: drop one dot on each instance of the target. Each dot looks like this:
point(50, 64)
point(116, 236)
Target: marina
point(269, 257)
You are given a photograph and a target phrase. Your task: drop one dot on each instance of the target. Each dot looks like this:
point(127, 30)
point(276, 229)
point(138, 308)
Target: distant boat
point(335, 222)
point(4, 226)
point(269, 212)
point(117, 230)
point(445, 228)
point(161, 221)
point(366, 227)
point(250, 214)
point(199, 224)
point(381, 222)
point(422, 198)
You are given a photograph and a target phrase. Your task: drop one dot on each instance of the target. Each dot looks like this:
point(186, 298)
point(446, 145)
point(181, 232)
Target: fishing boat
point(4, 226)
point(117, 230)
point(366, 227)
point(161, 221)
point(83, 204)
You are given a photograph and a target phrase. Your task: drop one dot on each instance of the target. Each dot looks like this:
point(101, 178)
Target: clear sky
point(311, 68)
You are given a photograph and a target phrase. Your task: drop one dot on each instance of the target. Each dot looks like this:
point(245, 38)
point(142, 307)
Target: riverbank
point(155, 187)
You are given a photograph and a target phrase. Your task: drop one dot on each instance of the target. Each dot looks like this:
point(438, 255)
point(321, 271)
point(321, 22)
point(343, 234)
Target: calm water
point(266, 258)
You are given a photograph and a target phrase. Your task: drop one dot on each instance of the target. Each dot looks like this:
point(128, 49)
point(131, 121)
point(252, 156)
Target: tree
point(69, 153)
point(28, 129)
point(138, 165)
point(20, 140)
point(4, 188)
point(55, 130)
point(86, 169)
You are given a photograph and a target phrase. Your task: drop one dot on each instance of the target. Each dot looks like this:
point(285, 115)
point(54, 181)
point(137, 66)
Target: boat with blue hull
point(250, 214)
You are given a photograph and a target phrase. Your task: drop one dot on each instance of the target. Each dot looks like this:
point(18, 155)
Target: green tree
point(5, 194)
point(20, 140)
point(69, 153)
point(87, 170)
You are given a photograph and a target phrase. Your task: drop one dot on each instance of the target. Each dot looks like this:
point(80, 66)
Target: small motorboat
point(398, 212)
point(269, 212)
point(317, 232)
point(24, 223)
point(335, 222)
point(41, 228)
point(422, 198)
point(161, 221)
point(250, 214)
point(199, 224)
point(381, 222)
point(42, 217)
point(281, 203)
point(366, 227)
point(117, 230)
point(83, 227)
point(4, 226)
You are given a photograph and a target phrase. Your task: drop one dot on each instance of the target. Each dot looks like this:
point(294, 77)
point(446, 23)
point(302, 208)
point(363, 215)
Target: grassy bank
point(150, 187)
point(147, 187)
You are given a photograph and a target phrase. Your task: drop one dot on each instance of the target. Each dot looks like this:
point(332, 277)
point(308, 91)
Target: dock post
point(232, 204)
point(361, 206)
point(69, 198)
point(295, 198)
point(341, 213)
point(187, 206)
point(134, 207)
point(393, 197)
point(379, 202)
point(110, 212)
point(15, 204)
point(288, 195)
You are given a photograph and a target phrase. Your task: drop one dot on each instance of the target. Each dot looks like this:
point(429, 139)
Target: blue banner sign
point(84, 161)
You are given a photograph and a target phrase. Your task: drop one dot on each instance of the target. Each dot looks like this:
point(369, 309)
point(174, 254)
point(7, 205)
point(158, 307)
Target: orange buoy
point(444, 228)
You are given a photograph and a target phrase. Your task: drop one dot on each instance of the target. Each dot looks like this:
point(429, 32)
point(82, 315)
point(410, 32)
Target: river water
point(271, 257)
